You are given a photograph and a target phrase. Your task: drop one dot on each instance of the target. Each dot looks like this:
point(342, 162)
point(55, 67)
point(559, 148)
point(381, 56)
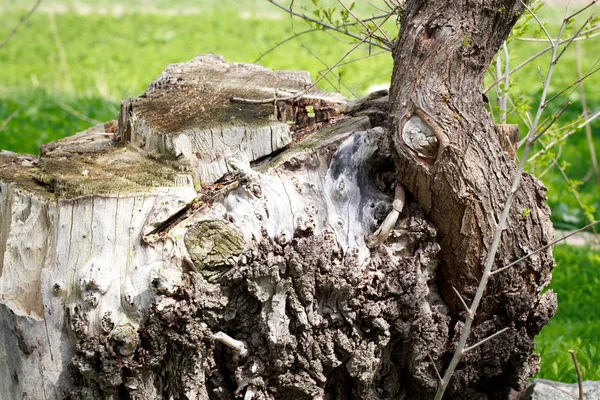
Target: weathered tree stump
point(149, 259)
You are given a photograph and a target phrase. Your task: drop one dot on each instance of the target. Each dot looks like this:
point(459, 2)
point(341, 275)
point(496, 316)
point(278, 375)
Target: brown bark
point(262, 285)
point(442, 53)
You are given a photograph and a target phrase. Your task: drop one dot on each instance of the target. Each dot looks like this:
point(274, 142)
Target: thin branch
point(533, 57)
point(325, 25)
point(499, 92)
point(554, 386)
point(385, 39)
point(362, 58)
point(575, 39)
point(550, 145)
point(294, 36)
point(570, 40)
point(582, 10)
point(8, 119)
point(544, 248)
point(506, 80)
point(476, 345)
point(534, 15)
point(575, 83)
point(551, 166)
point(23, 19)
point(79, 115)
point(543, 130)
point(461, 300)
point(586, 115)
point(336, 88)
point(435, 368)
point(578, 371)
point(310, 87)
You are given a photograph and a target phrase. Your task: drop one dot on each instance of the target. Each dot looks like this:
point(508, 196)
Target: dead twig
point(23, 19)
point(328, 26)
point(586, 115)
point(385, 39)
point(539, 54)
point(79, 115)
point(310, 87)
point(578, 371)
point(512, 264)
point(8, 119)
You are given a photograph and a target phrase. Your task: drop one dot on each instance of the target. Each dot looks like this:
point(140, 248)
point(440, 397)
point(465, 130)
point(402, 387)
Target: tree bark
point(148, 258)
point(462, 182)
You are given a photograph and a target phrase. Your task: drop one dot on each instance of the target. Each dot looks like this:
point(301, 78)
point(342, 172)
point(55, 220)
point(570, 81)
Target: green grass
point(95, 61)
point(576, 325)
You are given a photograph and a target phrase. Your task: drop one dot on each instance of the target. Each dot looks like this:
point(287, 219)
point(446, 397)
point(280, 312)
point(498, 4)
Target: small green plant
point(310, 111)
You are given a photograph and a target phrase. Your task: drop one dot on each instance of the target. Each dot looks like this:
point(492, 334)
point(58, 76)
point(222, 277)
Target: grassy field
point(70, 65)
point(576, 325)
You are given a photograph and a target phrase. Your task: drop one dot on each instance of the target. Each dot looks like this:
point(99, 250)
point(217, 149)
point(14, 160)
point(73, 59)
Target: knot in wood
point(417, 135)
point(213, 244)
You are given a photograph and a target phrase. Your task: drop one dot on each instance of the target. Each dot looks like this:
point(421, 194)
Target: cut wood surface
point(187, 114)
point(150, 258)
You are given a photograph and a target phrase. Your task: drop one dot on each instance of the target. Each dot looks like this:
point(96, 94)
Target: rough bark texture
point(123, 274)
point(456, 169)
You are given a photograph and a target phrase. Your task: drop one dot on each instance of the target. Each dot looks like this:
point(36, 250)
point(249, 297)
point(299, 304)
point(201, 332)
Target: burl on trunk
point(216, 249)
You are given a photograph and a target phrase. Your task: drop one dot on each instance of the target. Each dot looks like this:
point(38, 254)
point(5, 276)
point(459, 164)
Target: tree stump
point(213, 246)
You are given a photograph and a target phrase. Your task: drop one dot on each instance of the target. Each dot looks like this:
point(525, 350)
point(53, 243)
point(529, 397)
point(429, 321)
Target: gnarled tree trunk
point(462, 180)
point(213, 246)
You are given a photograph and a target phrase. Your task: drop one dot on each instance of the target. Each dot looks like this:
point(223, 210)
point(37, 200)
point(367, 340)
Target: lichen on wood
point(263, 284)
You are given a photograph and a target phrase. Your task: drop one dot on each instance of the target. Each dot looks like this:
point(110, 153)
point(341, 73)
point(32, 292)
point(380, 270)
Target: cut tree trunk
point(149, 259)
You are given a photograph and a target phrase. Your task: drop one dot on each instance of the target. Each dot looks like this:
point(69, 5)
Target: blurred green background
point(68, 67)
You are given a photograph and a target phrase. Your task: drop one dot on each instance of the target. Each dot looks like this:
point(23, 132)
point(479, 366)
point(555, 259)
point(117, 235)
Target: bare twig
point(534, 15)
point(591, 3)
point(586, 115)
point(464, 303)
point(503, 94)
point(547, 126)
point(569, 41)
point(575, 83)
point(476, 345)
point(578, 371)
point(385, 39)
point(544, 248)
point(327, 67)
point(331, 27)
point(554, 386)
point(79, 115)
point(506, 79)
point(550, 145)
point(23, 19)
point(586, 35)
point(294, 36)
point(538, 54)
point(8, 119)
point(437, 373)
point(310, 87)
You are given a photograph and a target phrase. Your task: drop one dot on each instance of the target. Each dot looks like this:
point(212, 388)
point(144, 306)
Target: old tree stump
point(209, 245)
